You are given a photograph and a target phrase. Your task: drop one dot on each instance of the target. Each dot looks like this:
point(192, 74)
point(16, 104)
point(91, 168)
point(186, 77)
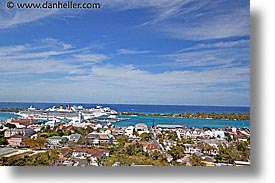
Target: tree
point(3, 141)
point(121, 140)
point(156, 155)
point(9, 125)
point(38, 143)
point(177, 152)
point(134, 149)
point(196, 161)
point(60, 132)
point(218, 158)
point(146, 136)
point(187, 141)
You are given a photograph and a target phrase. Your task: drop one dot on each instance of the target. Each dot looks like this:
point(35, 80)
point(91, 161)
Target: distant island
point(10, 109)
point(201, 115)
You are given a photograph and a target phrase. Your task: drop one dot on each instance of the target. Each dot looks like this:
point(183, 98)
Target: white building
point(129, 131)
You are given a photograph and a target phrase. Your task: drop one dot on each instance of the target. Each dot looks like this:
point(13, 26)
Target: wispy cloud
point(131, 51)
point(92, 58)
point(13, 17)
point(230, 53)
point(193, 19)
point(180, 19)
point(46, 56)
point(128, 83)
point(240, 43)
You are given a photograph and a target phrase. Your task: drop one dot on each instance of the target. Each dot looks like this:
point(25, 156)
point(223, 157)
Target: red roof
point(23, 120)
point(92, 152)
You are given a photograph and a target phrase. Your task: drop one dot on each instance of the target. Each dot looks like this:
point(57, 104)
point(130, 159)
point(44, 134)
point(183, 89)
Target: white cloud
point(131, 51)
point(46, 56)
point(92, 58)
point(218, 26)
point(220, 44)
point(127, 84)
point(181, 19)
point(213, 55)
point(192, 19)
point(13, 17)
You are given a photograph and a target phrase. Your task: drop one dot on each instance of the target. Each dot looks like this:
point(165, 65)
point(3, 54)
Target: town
point(32, 141)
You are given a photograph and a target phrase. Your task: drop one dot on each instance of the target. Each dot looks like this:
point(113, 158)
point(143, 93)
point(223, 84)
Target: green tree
point(3, 141)
point(146, 136)
point(121, 140)
point(156, 155)
point(38, 143)
point(196, 161)
point(177, 152)
point(134, 149)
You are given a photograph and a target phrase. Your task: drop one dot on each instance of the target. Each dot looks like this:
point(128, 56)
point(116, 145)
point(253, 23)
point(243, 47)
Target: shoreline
point(187, 115)
point(197, 115)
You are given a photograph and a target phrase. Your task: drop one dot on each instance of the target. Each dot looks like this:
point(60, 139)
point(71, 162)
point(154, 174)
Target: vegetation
point(3, 140)
point(196, 161)
point(41, 159)
point(187, 141)
point(38, 143)
point(146, 136)
point(10, 110)
point(236, 151)
point(140, 159)
point(201, 115)
point(177, 152)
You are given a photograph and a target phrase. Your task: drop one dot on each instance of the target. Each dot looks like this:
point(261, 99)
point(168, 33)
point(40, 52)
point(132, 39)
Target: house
point(16, 140)
point(53, 123)
point(62, 157)
point(84, 152)
point(129, 131)
point(57, 140)
point(150, 148)
point(134, 138)
point(190, 148)
point(141, 128)
point(100, 138)
point(105, 138)
point(146, 146)
point(16, 136)
point(75, 137)
point(214, 142)
point(118, 131)
point(26, 132)
point(207, 133)
point(218, 133)
point(208, 159)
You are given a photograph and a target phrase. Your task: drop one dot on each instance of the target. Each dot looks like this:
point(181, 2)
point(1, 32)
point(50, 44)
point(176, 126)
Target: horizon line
point(96, 103)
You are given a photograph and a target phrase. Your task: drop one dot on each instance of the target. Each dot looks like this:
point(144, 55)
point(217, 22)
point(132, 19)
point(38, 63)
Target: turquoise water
point(188, 122)
point(149, 121)
point(7, 115)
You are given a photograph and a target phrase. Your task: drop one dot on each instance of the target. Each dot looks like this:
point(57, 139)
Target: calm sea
point(199, 123)
point(137, 108)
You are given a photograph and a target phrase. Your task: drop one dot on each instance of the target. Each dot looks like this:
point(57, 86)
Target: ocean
point(176, 109)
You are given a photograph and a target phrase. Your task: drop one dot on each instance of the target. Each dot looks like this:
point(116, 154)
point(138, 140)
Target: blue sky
point(146, 52)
